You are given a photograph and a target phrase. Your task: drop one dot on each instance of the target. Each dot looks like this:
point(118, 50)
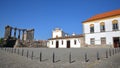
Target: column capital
point(15, 28)
point(7, 27)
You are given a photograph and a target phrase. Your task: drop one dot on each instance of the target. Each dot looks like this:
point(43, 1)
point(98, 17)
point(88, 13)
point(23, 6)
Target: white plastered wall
point(109, 34)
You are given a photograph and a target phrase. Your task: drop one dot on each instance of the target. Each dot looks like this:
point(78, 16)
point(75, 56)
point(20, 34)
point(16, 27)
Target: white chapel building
point(103, 29)
point(61, 39)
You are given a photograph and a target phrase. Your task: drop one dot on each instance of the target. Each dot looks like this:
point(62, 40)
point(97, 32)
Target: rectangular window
point(52, 42)
point(103, 40)
point(92, 41)
point(115, 26)
point(102, 28)
point(91, 29)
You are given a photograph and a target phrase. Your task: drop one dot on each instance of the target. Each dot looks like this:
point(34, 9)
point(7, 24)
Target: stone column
point(7, 32)
point(32, 34)
point(10, 31)
point(23, 34)
point(15, 32)
point(27, 35)
point(19, 34)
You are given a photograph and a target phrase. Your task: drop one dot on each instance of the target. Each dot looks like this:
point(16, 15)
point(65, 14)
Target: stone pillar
point(15, 32)
point(11, 31)
point(19, 34)
point(27, 35)
point(23, 34)
point(7, 32)
point(30, 34)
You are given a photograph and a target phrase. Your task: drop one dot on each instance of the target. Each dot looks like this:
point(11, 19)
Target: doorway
point(116, 42)
point(68, 44)
point(57, 44)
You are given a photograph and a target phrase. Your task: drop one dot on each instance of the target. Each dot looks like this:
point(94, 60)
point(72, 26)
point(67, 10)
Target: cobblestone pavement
point(9, 59)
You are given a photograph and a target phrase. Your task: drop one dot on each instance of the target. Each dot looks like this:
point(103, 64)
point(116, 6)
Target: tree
point(1, 42)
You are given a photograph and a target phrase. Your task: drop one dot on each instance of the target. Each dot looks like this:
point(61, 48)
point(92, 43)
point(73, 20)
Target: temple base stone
point(18, 43)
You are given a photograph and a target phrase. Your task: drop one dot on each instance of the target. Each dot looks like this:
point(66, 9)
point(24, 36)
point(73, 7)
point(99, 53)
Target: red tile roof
point(104, 15)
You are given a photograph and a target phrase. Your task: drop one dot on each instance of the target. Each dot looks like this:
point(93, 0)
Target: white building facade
point(103, 29)
point(62, 40)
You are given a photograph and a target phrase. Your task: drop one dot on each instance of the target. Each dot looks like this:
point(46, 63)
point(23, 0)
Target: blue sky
point(45, 15)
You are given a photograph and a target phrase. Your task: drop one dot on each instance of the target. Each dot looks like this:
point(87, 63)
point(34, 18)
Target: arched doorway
point(68, 44)
point(57, 44)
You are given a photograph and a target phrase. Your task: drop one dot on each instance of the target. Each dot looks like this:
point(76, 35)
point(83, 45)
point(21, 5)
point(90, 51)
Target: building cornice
point(67, 37)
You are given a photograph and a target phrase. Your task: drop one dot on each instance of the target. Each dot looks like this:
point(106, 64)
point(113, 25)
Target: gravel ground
point(13, 60)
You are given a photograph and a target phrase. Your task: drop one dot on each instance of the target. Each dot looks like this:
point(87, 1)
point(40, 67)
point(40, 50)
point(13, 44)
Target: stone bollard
point(0, 48)
point(98, 57)
point(8, 50)
point(113, 51)
point(70, 57)
point(27, 53)
point(15, 50)
point(86, 58)
point(118, 49)
point(22, 52)
point(12, 50)
point(106, 53)
point(5, 49)
point(32, 55)
point(53, 57)
point(18, 51)
point(109, 52)
point(40, 56)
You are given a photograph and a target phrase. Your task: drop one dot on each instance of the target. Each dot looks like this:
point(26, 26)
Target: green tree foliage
point(1, 40)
